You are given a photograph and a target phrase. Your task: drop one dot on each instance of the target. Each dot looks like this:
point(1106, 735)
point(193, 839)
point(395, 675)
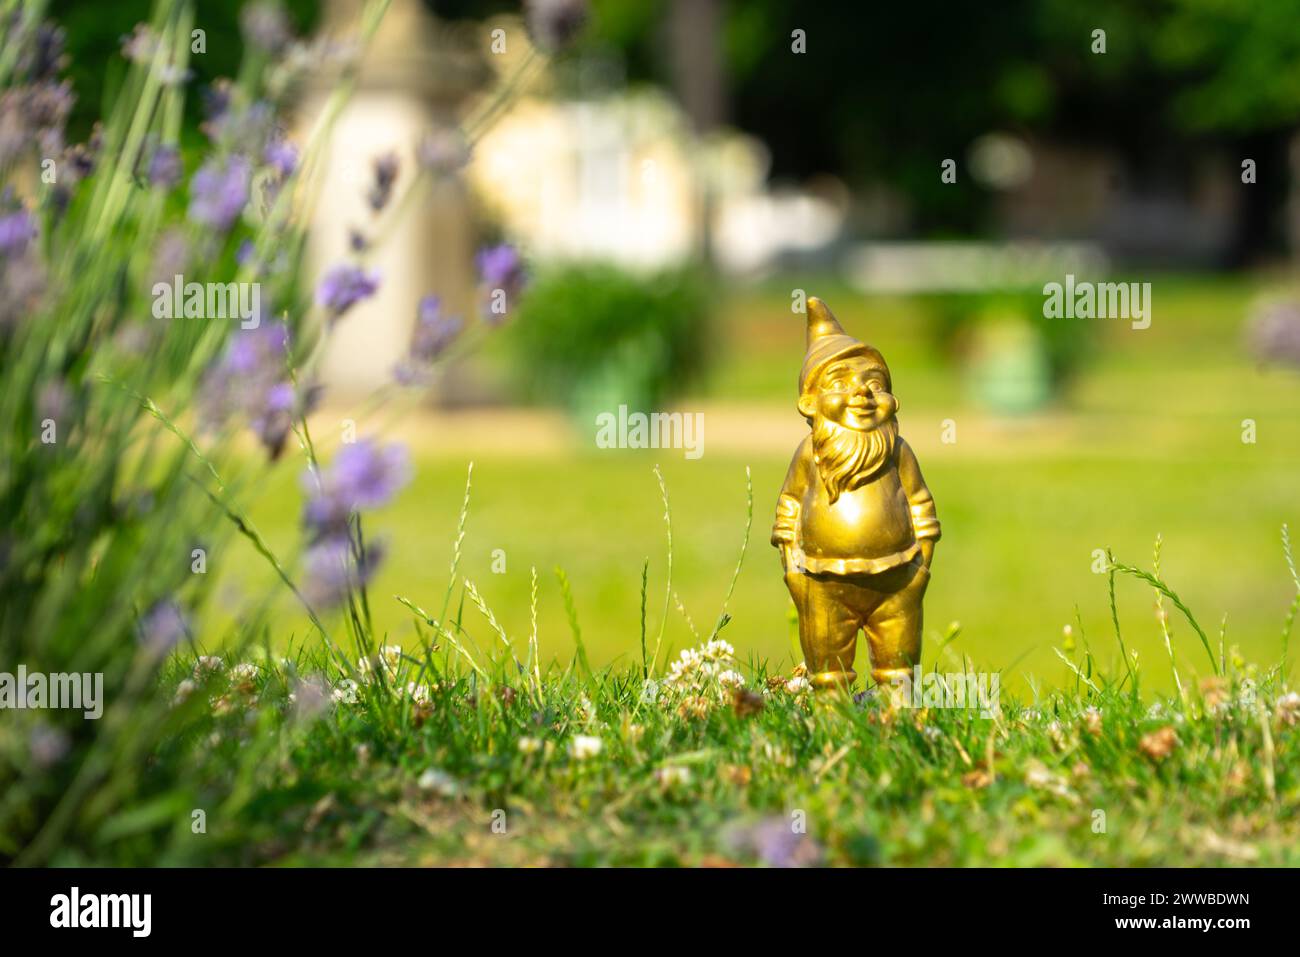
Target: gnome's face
point(851, 392)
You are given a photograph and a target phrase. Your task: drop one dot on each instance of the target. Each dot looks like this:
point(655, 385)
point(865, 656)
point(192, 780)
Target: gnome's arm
point(791, 497)
point(925, 521)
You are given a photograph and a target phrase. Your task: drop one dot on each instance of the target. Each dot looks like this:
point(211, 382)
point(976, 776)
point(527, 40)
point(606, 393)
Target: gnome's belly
point(867, 530)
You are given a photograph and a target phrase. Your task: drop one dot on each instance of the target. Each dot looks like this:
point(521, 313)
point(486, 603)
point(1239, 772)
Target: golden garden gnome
point(855, 523)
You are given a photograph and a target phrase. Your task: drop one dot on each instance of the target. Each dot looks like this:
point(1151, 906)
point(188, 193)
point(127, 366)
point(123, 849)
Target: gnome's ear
point(807, 405)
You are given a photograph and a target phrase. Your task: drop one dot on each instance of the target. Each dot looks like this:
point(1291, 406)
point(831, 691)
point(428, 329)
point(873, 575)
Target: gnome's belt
point(851, 566)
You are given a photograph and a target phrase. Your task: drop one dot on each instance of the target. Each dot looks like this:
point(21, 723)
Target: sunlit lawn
point(1149, 442)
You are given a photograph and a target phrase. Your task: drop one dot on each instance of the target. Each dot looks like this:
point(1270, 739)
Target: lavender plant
point(123, 459)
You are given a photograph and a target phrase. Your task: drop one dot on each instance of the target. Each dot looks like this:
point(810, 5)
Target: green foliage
point(594, 337)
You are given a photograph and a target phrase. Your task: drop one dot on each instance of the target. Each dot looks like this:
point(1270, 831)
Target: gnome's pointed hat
point(827, 341)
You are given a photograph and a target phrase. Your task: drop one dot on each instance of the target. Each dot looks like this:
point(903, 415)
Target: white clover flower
point(1038, 776)
point(183, 691)
point(389, 657)
point(1287, 709)
point(244, 671)
point(418, 693)
point(529, 745)
point(584, 746)
point(439, 782)
point(673, 775)
point(345, 692)
point(207, 664)
point(704, 670)
point(798, 685)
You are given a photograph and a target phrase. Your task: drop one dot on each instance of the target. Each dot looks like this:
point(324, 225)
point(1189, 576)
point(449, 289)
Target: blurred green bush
point(1007, 331)
point(593, 336)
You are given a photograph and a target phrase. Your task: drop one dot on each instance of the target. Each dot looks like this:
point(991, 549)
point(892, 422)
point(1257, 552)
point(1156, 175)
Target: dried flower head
point(1159, 744)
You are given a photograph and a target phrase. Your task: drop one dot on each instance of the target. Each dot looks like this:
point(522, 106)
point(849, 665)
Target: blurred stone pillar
point(416, 74)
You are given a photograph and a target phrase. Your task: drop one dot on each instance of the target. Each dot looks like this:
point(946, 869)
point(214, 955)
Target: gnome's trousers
point(833, 608)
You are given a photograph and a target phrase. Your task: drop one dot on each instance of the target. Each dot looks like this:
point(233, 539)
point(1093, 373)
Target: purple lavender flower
point(43, 57)
point(47, 745)
point(434, 331)
point(165, 169)
point(16, 231)
point(344, 286)
point(443, 151)
point(141, 45)
point(362, 476)
point(774, 842)
point(170, 255)
point(219, 191)
point(272, 422)
point(217, 100)
point(54, 401)
point(265, 26)
point(1273, 333)
point(500, 266)
point(250, 381)
point(332, 569)
point(386, 168)
point(281, 156)
point(235, 125)
point(162, 628)
point(260, 352)
point(22, 284)
point(554, 24)
point(34, 114)
point(79, 159)
point(366, 475)
point(501, 272)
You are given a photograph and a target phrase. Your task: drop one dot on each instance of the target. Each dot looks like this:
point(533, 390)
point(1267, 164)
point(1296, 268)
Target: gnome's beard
point(845, 457)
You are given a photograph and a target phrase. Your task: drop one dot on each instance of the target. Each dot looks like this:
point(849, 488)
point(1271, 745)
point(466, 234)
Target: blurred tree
point(1241, 63)
point(94, 35)
point(887, 91)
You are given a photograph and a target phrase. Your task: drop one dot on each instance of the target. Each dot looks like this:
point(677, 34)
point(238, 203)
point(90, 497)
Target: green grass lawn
point(572, 769)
